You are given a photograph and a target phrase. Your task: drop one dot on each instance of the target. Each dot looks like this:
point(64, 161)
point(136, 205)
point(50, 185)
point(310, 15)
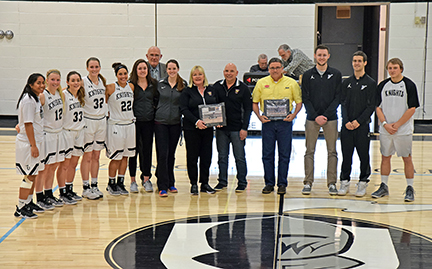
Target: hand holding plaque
point(213, 115)
point(276, 109)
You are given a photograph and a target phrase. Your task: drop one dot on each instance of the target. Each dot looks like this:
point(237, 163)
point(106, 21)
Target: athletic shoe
point(281, 189)
point(25, 212)
point(121, 189)
point(381, 192)
point(55, 202)
point(206, 188)
point(134, 187)
point(67, 199)
point(148, 186)
point(361, 189)
point(173, 189)
point(74, 196)
point(89, 194)
point(112, 189)
point(240, 188)
point(332, 189)
point(194, 190)
point(220, 187)
point(267, 189)
point(409, 194)
point(96, 190)
point(45, 204)
point(163, 193)
point(307, 189)
point(35, 208)
point(344, 188)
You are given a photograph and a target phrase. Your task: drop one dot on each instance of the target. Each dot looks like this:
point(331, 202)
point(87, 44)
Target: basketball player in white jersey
point(29, 142)
point(397, 101)
point(73, 128)
point(95, 110)
point(52, 101)
point(121, 129)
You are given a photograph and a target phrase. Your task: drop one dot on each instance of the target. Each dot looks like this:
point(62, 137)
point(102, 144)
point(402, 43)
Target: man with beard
point(321, 87)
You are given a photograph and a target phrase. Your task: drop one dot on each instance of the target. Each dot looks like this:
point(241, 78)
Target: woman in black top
point(145, 98)
point(198, 137)
point(168, 127)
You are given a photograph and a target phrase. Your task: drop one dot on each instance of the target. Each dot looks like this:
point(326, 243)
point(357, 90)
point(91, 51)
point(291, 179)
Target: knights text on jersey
point(396, 98)
point(95, 106)
point(53, 112)
point(73, 114)
point(120, 105)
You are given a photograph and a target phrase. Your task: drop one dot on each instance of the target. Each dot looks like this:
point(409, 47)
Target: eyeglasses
point(275, 68)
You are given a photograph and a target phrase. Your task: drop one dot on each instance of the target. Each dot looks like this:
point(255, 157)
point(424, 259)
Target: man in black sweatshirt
point(238, 107)
point(320, 93)
point(358, 103)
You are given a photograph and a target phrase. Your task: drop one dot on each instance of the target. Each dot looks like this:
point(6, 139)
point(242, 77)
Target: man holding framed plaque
point(274, 95)
point(238, 105)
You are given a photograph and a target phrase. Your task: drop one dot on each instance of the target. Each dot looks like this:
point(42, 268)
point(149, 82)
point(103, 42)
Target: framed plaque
point(276, 109)
point(213, 115)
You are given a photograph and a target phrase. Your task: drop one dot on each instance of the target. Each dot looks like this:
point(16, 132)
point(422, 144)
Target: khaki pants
point(330, 134)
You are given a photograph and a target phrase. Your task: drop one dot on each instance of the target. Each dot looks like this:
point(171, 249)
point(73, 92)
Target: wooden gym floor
point(228, 229)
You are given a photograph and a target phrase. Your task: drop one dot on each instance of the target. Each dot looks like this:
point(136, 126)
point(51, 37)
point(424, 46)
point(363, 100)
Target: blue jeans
point(280, 131)
point(223, 140)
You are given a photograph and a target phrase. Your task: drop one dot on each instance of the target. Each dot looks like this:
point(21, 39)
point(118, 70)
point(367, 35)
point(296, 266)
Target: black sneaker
point(194, 190)
point(220, 187)
point(25, 212)
point(281, 190)
point(54, 201)
point(67, 199)
point(206, 188)
point(240, 188)
point(268, 189)
point(409, 194)
point(75, 196)
point(121, 189)
point(381, 192)
point(35, 208)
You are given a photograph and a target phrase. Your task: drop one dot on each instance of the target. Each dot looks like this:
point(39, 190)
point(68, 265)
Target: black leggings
point(144, 144)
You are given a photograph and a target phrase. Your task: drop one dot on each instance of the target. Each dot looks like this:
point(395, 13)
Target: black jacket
point(358, 99)
point(190, 99)
point(168, 106)
point(238, 104)
point(145, 102)
point(321, 94)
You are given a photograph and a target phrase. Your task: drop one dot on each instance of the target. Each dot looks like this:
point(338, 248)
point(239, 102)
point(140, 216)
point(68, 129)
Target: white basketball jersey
point(120, 105)
point(30, 111)
point(73, 115)
point(53, 112)
point(95, 106)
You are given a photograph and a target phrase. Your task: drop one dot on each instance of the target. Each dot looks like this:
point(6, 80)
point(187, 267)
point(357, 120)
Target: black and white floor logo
point(269, 241)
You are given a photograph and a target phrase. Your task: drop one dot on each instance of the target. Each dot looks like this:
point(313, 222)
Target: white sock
point(384, 179)
point(21, 203)
point(94, 180)
point(85, 183)
point(410, 181)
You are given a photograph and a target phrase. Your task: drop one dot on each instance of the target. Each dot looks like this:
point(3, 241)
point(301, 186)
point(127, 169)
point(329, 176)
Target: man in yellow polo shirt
point(276, 87)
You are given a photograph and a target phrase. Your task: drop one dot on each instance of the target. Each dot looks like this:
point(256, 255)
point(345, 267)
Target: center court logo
point(265, 241)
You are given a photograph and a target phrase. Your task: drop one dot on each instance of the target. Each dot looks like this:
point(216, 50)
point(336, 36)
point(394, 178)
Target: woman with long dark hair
point(29, 143)
point(145, 99)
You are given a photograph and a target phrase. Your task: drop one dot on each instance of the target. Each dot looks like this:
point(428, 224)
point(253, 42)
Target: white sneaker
point(89, 194)
point(361, 189)
point(96, 190)
point(134, 187)
point(344, 187)
point(148, 186)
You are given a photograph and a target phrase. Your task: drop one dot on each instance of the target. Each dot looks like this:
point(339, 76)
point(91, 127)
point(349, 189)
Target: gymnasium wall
point(63, 35)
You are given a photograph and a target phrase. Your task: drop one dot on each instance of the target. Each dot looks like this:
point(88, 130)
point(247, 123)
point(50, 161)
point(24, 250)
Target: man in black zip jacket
point(321, 87)
point(358, 103)
point(238, 107)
